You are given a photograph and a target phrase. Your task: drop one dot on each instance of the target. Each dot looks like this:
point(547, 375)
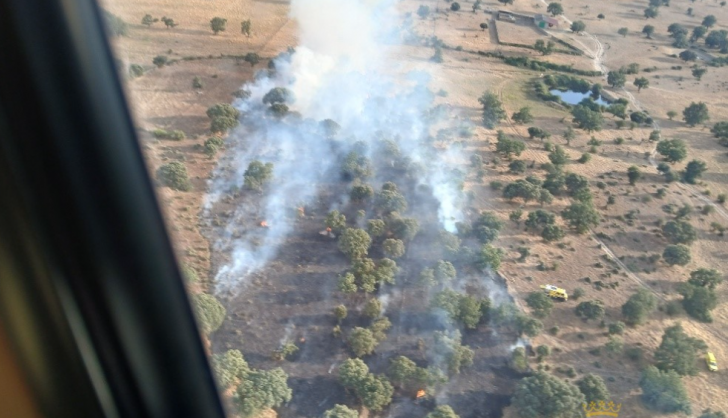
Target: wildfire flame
point(303, 340)
point(420, 393)
point(264, 224)
point(328, 229)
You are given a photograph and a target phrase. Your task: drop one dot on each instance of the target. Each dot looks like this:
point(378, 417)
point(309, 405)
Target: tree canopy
point(674, 150)
point(593, 388)
point(696, 113)
point(678, 351)
point(663, 391)
point(545, 396)
point(493, 111)
point(210, 312)
point(639, 306)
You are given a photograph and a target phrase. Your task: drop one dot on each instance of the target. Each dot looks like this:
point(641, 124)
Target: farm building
point(543, 21)
point(506, 16)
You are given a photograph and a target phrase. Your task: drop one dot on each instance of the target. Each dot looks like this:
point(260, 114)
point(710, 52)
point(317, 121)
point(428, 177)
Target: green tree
point(695, 114)
point(587, 119)
point(217, 24)
point(373, 308)
point(555, 9)
point(278, 95)
point(523, 116)
point(676, 255)
point(641, 83)
point(347, 283)
point(252, 58)
point(540, 303)
point(341, 411)
point(558, 156)
point(507, 147)
point(389, 201)
point(699, 72)
point(354, 243)
point(376, 227)
point(148, 20)
point(545, 396)
point(569, 135)
point(580, 216)
point(552, 233)
point(578, 26)
point(674, 150)
point(168, 22)
point(444, 271)
point(455, 354)
point(693, 171)
point(230, 368)
point(352, 371)
point(545, 48)
point(210, 312)
point(593, 388)
point(393, 248)
point(361, 192)
point(638, 307)
point(489, 257)
point(455, 6)
point(709, 21)
point(651, 12)
point(486, 227)
point(648, 30)
point(493, 111)
point(698, 301)
point(262, 390)
point(616, 79)
point(634, 174)
point(703, 277)
point(534, 132)
point(335, 220)
point(174, 175)
point(678, 351)
point(720, 130)
point(483, 26)
point(617, 328)
point(679, 232)
point(523, 189)
point(401, 370)
point(623, 32)
point(592, 309)
point(160, 61)
point(663, 391)
point(257, 175)
point(245, 27)
point(443, 411)
point(340, 312)
point(362, 341)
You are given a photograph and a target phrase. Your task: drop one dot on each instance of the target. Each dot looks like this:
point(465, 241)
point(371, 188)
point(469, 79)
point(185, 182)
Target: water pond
point(574, 97)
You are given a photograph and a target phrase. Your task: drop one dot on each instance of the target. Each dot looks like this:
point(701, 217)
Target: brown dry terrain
point(292, 292)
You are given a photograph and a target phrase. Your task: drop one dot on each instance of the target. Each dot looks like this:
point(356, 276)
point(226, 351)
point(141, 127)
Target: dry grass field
point(615, 251)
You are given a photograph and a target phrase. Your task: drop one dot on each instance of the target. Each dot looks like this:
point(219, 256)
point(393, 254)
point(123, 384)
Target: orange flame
point(264, 224)
point(328, 229)
point(303, 340)
point(420, 393)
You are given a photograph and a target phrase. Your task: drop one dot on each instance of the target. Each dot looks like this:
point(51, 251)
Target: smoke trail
point(342, 70)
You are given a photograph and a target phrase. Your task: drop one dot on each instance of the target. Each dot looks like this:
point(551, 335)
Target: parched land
point(290, 300)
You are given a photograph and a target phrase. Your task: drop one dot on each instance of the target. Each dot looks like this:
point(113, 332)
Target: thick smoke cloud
point(343, 70)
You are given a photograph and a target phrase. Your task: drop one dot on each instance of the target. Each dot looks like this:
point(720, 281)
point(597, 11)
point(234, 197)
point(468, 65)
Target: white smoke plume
point(343, 70)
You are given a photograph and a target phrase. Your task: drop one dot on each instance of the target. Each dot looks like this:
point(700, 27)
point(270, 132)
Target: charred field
point(291, 297)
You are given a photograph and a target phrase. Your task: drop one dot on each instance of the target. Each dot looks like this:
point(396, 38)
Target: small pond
point(574, 97)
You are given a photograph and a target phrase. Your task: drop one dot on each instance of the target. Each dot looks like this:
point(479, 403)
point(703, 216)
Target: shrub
point(545, 396)
point(135, 71)
point(210, 312)
point(664, 391)
point(593, 388)
point(676, 255)
point(540, 303)
point(638, 307)
point(678, 351)
point(174, 175)
point(587, 310)
point(257, 175)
